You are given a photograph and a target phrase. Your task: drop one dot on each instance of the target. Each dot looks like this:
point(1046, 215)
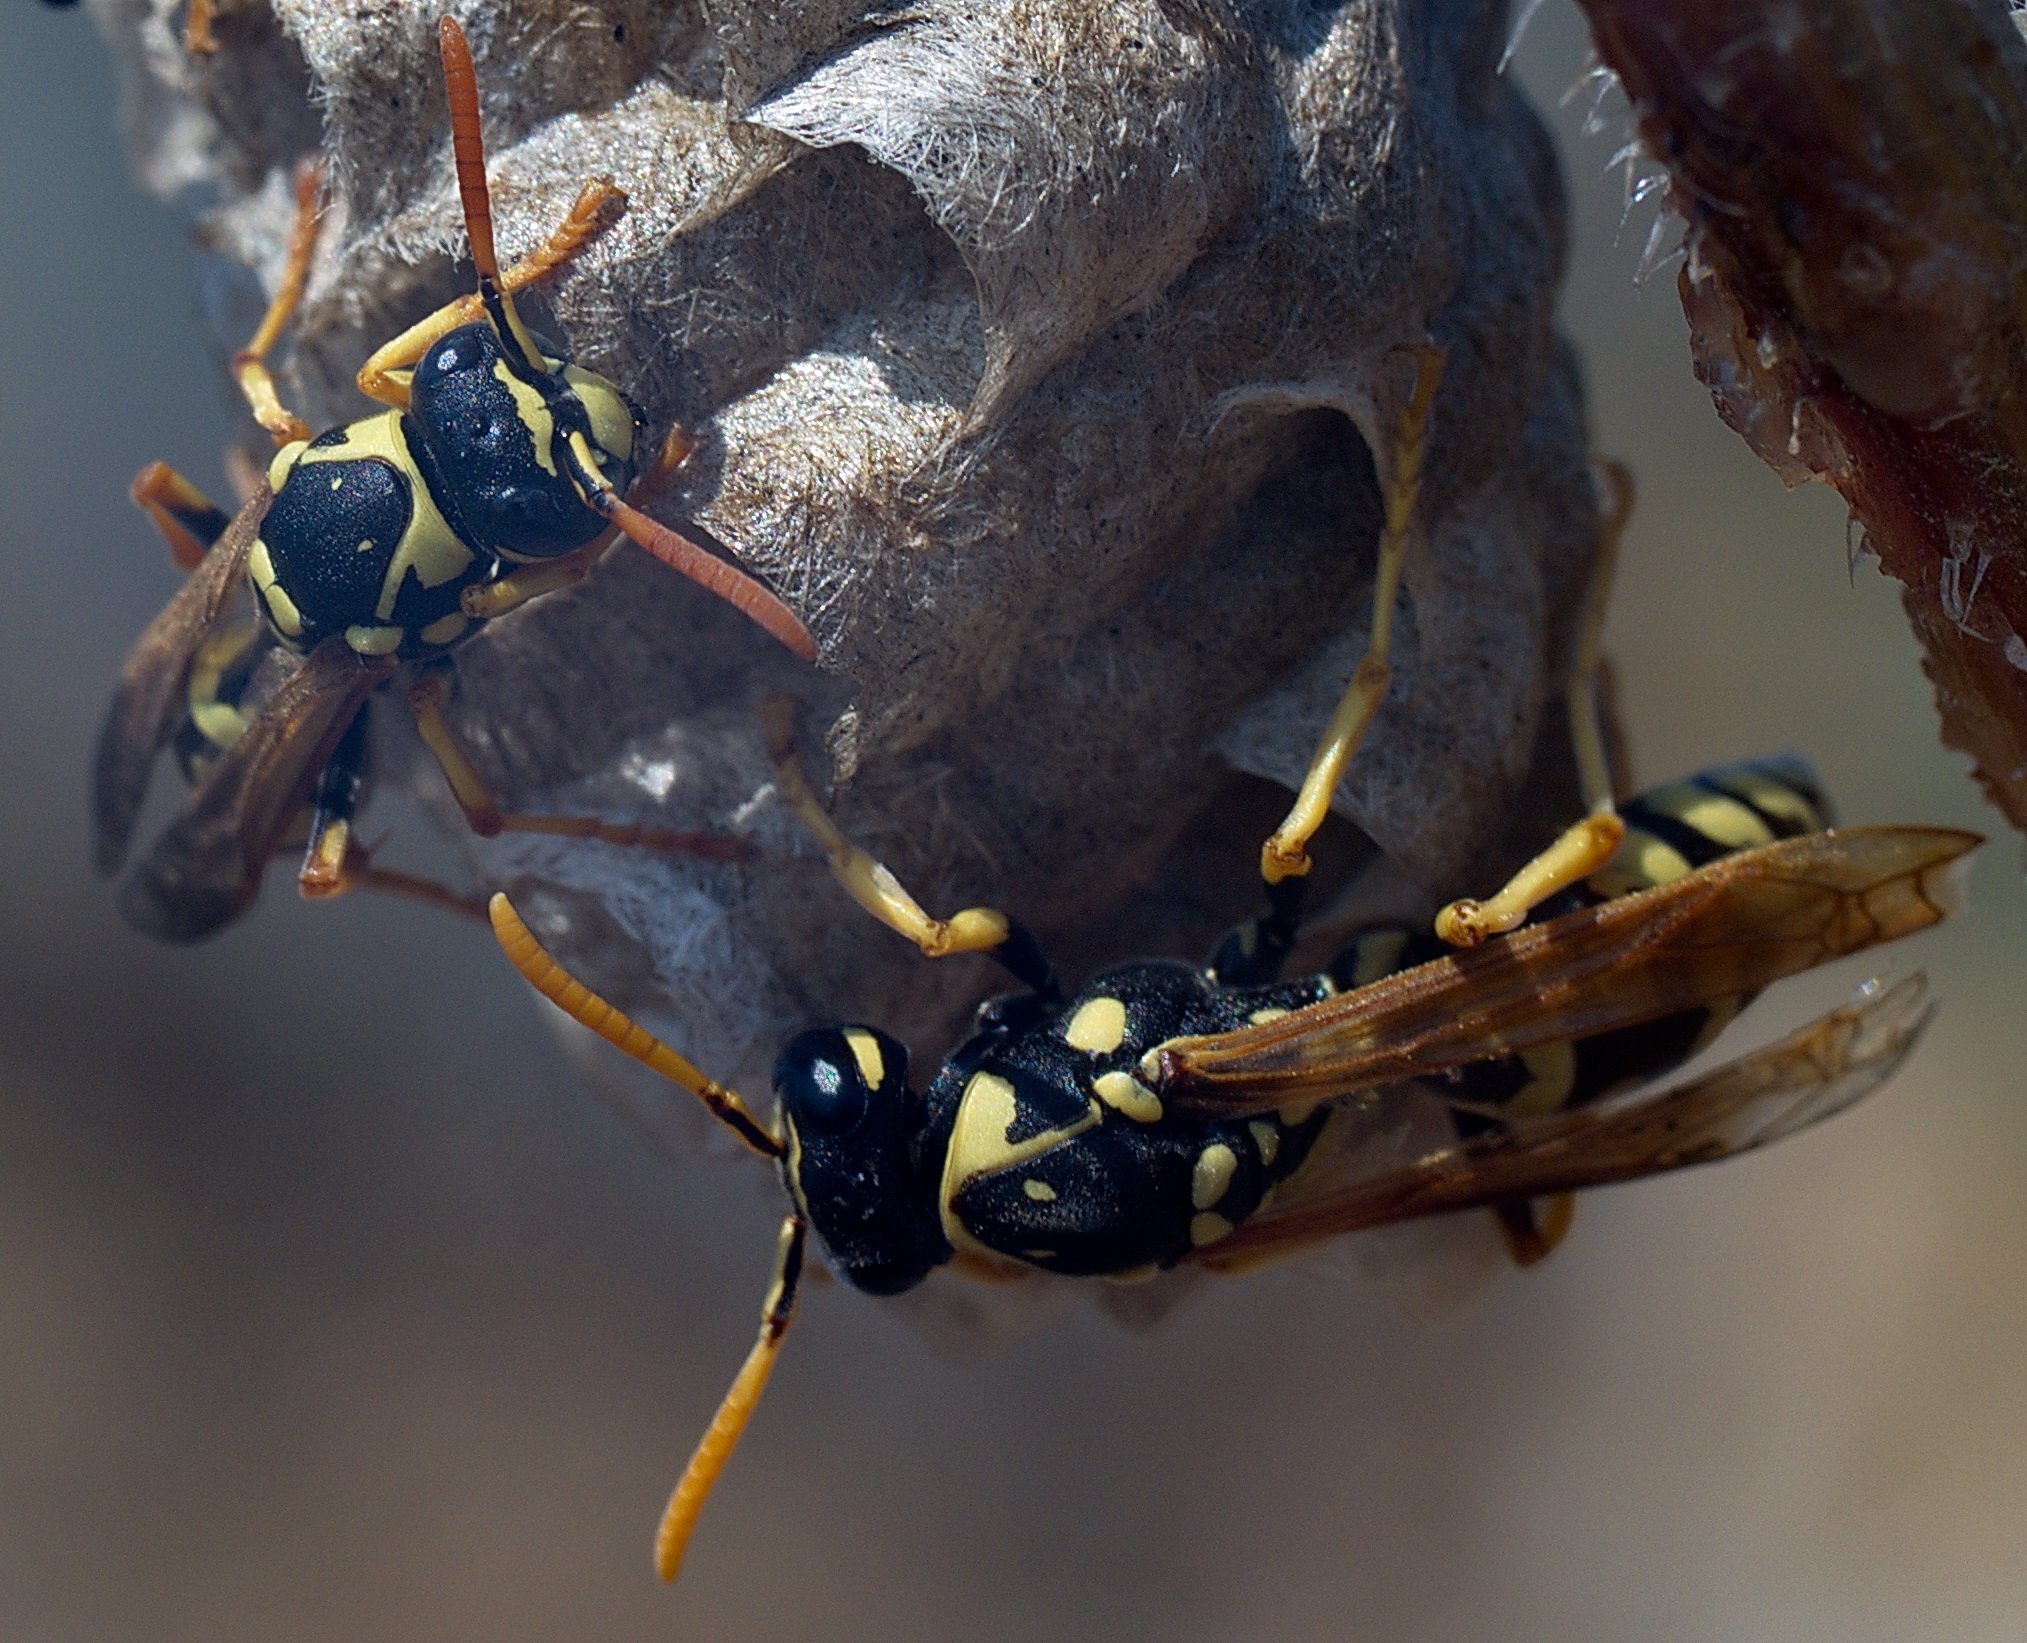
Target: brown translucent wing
point(1761, 1098)
point(1719, 933)
point(148, 702)
point(205, 869)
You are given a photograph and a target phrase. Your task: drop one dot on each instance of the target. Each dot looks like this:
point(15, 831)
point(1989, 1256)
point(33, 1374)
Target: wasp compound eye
point(826, 1078)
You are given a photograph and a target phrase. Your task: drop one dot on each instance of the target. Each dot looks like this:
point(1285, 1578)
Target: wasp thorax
point(852, 1164)
point(491, 439)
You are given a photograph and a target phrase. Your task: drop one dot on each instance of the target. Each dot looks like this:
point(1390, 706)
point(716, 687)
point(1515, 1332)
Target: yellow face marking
point(1268, 1013)
point(1208, 1229)
point(1212, 1176)
point(1378, 953)
point(1721, 819)
point(986, 1114)
point(1040, 1191)
point(284, 461)
point(534, 414)
point(1124, 1093)
point(1098, 1027)
point(373, 641)
point(866, 1052)
point(288, 620)
point(1776, 798)
point(445, 628)
point(1552, 1075)
point(1266, 1139)
point(1296, 1113)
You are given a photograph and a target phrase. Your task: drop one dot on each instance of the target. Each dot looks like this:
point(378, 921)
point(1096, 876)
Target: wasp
point(1221, 1116)
point(498, 472)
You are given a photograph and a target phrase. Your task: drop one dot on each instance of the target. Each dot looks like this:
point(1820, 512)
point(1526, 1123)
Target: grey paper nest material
point(1036, 348)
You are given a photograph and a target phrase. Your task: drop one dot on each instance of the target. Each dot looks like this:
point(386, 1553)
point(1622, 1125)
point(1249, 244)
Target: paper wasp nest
point(1037, 349)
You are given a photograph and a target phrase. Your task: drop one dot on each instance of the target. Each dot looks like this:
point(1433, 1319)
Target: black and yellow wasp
point(1168, 1115)
point(496, 474)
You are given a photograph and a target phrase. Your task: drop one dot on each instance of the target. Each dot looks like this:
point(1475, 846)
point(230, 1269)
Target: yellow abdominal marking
point(1378, 953)
point(1641, 862)
point(1098, 1027)
point(1124, 1093)
point(1775, 798)
point(1552, 1074)
point(1212, 1176)
point(866, 1052)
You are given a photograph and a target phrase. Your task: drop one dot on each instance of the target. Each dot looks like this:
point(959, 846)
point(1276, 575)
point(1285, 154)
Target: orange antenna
point(468, 149)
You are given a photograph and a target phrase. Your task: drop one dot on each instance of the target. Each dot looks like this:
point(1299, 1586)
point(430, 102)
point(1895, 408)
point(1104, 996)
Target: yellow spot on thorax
point(429, 550)
point(979, 1146)
point(1098, 1027)
point(1260, 1017)
point(1266, 1139)
point(1208, 1228)
point(372, 641)
point(445, 628)
point(1212, 1175)
point(866, 1052)
point(1040, 1191)
point(284, 463)
point(288, 620)
point(1125, 1094)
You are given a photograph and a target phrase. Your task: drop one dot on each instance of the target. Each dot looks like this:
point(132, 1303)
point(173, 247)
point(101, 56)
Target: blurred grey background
point(332, 1305)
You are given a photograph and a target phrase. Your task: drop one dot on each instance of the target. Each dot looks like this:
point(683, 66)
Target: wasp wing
point(1813, 1074)
point(1722, 932)
point(205, 869)
point(148, 702)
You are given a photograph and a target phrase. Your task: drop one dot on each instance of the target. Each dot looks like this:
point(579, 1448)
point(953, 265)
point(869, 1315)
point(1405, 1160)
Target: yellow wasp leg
point(1285, 855)
point(335, 863)
point(482, 809)
point(679, 1518)
point(249, 365)
point(198, 38)
point(1532, 1230)
point(1584, 848)
point(868, 882)
point(525, 582)
point(384, 376)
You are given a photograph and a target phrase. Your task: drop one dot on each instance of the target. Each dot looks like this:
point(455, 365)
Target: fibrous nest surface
point(1039, 351)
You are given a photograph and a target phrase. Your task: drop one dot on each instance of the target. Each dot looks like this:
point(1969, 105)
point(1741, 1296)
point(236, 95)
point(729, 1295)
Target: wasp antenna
point(585, 1007)
point(714, 1449)
point(468, 150)
point(731, 584)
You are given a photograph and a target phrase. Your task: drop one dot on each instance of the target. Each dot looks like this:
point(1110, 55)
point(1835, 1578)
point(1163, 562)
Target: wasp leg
point(1532, 1229)
point(1584, 848)
point(874, 887)
point(1285, 854)
point(188, 519)
point(198, 38)
point(384, 377)
point(1254, 953)
point(486, 600)
point(482, 809)
point(679, 1518)
point(249, 365)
